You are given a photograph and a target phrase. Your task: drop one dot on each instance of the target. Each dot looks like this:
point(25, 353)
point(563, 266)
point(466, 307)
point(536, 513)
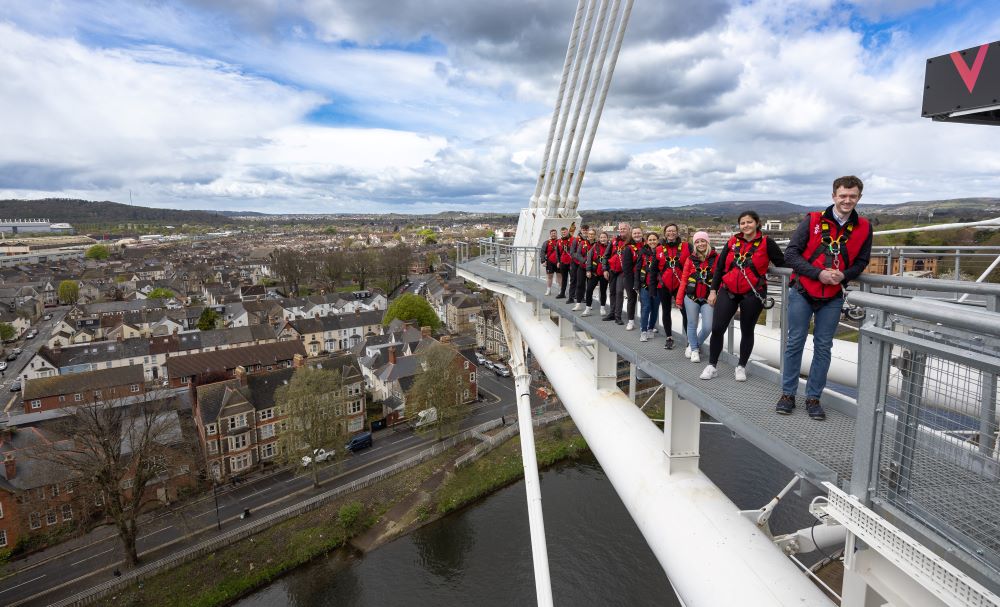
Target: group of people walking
point(660, 270)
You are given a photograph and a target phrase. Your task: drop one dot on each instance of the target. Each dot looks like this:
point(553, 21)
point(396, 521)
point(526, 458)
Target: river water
point(482, 554)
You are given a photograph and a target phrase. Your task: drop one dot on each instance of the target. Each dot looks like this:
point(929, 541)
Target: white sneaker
point(709, 372)
point(643, 337)
point(576, 307)
point(741, 374)
point(687, 352)
point(586, 311)
point(655, 330)
point(696, 358)
point(630, 326)
point(603, 311)
point(548, 291)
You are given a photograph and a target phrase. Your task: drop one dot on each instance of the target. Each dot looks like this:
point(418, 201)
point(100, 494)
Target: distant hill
point(954, 206)
point(88, 212)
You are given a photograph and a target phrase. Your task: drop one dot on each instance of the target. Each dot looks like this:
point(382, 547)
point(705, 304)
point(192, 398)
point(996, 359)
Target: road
point(59, 572)
point(30, 347)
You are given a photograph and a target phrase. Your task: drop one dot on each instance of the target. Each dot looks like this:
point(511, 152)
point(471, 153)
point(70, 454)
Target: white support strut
point(532, 484)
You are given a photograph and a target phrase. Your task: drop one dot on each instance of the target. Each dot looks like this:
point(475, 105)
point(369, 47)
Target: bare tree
point(361, 266)
point(119, 448)
point(314, 401)
point(332, 268)
point(441, 386)
point(290, 267)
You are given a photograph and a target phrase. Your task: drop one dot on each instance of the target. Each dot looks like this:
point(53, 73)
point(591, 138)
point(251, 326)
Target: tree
point(332, 268)
point(118, 450)
point(160, 293)
point(361, 266)
point(7, 332)
point(410, 306)
point(208, 319)
point(394, 265)
point(314, 401)
point(432, 260)
point(98, 252)
point(69, 292)
point(292, 267)
point(441, 385)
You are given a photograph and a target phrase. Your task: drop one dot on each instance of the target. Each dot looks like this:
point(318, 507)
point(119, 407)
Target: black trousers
point(667, 302)
point(563, 278)
point(624, 287)
point(592, 282)
point(577, 283)
point(726, 306)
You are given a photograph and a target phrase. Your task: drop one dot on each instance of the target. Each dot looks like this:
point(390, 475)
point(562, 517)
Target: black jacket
point(800, 241)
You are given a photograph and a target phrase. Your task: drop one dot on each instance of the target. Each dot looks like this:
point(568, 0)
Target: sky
point(347, 106)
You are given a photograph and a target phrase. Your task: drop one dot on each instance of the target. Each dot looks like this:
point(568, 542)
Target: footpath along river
point(482, 554)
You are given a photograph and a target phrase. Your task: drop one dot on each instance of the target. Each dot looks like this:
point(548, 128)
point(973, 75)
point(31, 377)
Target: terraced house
point(239, 421)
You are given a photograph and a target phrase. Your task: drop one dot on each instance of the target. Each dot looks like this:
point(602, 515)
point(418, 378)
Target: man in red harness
point(826, 251)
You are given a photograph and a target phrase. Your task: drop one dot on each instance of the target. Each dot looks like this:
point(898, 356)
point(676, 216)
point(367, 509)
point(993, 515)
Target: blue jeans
point(693, 309)
point(650, 300)
point(825, 321)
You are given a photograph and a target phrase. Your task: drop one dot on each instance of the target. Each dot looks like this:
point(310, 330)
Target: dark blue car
point(359, 442)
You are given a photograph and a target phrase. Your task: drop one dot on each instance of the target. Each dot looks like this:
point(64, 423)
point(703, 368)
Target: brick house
point(46, 393)
point(199, 368)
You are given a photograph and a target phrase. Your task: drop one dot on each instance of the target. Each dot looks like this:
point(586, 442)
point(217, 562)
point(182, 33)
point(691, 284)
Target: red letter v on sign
point(969, 76)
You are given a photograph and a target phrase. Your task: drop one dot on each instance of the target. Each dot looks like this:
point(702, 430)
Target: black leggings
point(592, 282)
point(726, 306)
point(580, 283)
point(667, 302)
point(564, 279)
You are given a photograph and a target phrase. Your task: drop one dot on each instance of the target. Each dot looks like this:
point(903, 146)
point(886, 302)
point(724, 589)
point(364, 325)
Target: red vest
point(552, 250)
point(565, 244)
point(671, 259)
point(599, 257)
point(699, 283)
point(745, 260)
point(615, 256)
point(582, 248)
point(831, 246)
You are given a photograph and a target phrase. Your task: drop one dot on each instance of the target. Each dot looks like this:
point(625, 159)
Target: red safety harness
point(699, 282)
point(746, 265)
point(831, 246)
point(671, 259)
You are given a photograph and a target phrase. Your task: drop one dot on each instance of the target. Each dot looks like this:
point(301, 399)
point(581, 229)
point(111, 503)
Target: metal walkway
point(819, 451)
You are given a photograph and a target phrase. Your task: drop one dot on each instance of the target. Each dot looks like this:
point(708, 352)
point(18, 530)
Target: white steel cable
point(571, 132)
point(594, 87)
point(560, 131)
point(574, 198)
point(570, 53)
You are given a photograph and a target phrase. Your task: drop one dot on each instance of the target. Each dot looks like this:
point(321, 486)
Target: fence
point(926, 450)
point(93, 595)
point(491, 442)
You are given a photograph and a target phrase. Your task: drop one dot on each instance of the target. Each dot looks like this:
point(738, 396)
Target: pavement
point(82, 562)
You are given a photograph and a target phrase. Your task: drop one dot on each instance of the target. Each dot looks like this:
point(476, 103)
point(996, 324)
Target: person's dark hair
point(585, 227)
point(848, 182)
point(749, 213)
point(671, 225)
point(648, 234)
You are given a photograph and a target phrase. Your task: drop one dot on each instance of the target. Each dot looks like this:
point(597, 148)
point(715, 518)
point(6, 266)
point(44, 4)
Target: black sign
point(964, 86)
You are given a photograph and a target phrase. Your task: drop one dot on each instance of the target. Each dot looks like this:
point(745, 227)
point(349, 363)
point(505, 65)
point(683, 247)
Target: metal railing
point(96, 593)
point(926, 445)
point(493, 441)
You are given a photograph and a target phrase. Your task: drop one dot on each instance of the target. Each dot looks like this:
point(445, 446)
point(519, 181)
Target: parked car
point(17, 351)
point(359, 442)
point(480, 359)
point(31, 334)
point(489, 364)
point(12, 356)
point(501, 370)
point(16, 386)
point(318, 455)
point(47, 317)
point(3, 366)
point(426, 417)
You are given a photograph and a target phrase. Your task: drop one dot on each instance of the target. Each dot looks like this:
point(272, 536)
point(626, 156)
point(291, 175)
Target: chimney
point(425, 331)
point(9, 466)
point(240, 373)
point(445, 339)
point(392, 355)
point(121, 336)
point(298, 360)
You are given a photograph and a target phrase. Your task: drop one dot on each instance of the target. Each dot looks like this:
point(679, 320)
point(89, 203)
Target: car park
point(318, 456)
point(359, 442)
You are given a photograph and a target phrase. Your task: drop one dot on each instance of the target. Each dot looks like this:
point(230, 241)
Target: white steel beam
point(681, 433)
point(687, 521)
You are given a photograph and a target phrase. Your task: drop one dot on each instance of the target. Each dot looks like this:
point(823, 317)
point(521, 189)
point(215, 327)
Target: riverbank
point(364, 520)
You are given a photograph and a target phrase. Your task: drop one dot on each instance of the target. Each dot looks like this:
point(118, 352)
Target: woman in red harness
point(740, 283)
point(597, 269)
point(693, 297)
point(671, 255)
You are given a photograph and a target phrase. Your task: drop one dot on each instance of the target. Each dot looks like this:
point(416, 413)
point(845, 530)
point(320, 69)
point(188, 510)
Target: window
point(185, 380)
point(34, 520)
point(3, 538)
point(267, 431)
point(239, 462)
point(210, 429)
point(77, 397)
point(266, 414)
point(465, 394)
point(237, 421)
point(127, 483)
point(237, 442)
point(62, 398)
point(355, 407)
point(67, 512)
point(99, 499)
point(50, 517)
point(37, 404)
point(465, 364)
point(97, 394)
point(212, 446)
point(267, 451)
point(70, 486)
point(55, 490)
point(134, 388)
point(472, 376)
point(1, 509)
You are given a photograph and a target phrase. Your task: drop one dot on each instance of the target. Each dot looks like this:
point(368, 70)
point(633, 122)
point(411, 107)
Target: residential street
point(71, 567)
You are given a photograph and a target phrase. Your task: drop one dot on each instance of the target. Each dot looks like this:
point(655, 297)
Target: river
point(482, 554)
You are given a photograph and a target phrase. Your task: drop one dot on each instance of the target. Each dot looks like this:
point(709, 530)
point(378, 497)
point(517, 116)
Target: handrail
point(924, 284)
point(970, 318)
